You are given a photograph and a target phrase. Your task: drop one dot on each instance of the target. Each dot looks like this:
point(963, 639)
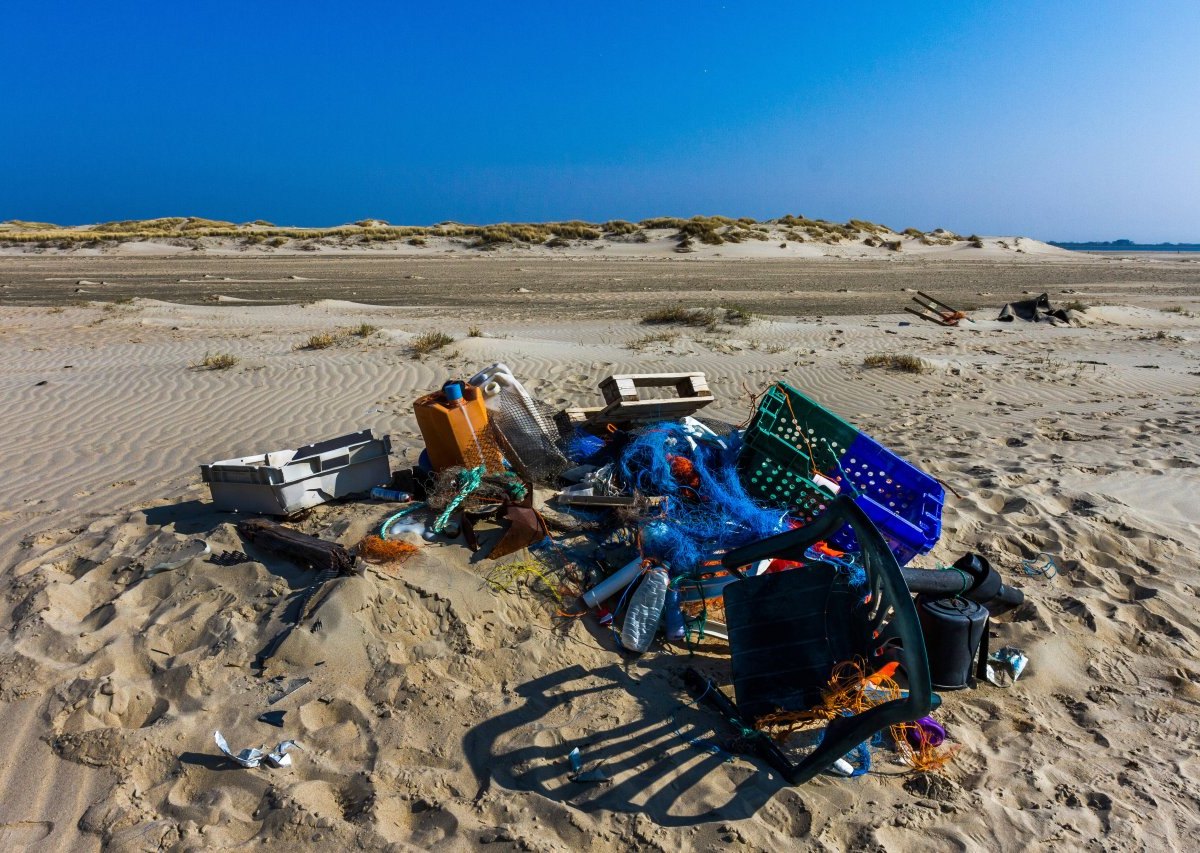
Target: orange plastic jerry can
point(454, 424)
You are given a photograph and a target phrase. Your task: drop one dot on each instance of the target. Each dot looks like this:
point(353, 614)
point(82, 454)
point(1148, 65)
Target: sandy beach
point(439, 712)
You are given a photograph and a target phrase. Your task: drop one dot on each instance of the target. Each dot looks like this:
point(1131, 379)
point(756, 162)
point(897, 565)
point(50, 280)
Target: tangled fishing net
point(474, 490)
point(539, 578)
point(705, 509)
point(376, 550)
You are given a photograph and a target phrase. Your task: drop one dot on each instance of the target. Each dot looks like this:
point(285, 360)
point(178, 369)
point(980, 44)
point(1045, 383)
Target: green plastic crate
point(777, 468)
point(778, 483)
point(787, 425)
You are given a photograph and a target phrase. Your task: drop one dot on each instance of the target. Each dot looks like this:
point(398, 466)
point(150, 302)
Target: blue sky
point(1055, 120)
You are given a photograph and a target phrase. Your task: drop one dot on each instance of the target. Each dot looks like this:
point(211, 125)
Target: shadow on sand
point(648, 759)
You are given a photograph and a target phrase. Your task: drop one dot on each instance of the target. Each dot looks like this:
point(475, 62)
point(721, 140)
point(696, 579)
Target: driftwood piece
point(307, 551)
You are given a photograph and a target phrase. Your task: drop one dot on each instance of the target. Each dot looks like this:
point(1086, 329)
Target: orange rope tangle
point(852, 692)
point(376, 550)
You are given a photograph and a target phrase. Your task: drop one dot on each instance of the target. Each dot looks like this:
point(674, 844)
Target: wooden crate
point(624, 402)
point(624, 405)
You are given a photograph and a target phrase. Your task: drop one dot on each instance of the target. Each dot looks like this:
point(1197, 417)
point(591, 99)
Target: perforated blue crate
point(904, 502)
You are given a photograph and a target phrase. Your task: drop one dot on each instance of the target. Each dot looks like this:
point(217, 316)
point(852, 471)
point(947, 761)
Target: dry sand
point(440, 713)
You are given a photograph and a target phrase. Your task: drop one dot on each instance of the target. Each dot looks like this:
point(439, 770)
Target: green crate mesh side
point(828, 435)
point(781, 485)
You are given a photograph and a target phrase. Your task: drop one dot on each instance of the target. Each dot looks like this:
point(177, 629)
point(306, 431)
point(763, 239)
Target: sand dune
point(439, 712)
point(788, 237)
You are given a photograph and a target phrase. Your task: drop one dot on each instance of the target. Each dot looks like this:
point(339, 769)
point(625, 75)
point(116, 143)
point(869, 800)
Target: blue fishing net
point(583, 446)
point(702, 516)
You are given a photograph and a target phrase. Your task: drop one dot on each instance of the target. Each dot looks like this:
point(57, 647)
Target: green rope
point(468, 481)
point(516, 488)
point(967, 580)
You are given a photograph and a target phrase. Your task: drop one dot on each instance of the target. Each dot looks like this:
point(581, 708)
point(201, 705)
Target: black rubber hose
point(1008, 598)
point(935, 582)
point(985, 589)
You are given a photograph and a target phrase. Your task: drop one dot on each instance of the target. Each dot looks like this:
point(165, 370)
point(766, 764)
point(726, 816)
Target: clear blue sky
point(1053, 119)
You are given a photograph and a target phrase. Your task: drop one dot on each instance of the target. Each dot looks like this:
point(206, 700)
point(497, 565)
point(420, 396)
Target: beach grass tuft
point(897, 361)
point(428, 342)
point(738, 315)
point(322, 341)
point(641, 343)
point(681, 316)
point(217, 361)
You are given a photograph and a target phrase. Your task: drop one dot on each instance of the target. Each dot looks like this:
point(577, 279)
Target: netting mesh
point(705, 508)
point(527, 435)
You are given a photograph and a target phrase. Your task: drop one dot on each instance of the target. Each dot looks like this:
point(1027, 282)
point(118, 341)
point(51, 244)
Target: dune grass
point(324, 340)
point(620, 226)
point(896, 361)
point(680, 316)
point(428, 342)
point(217, 361)
point(710, 230)
point(364, 330)
point(738, 315)
point(641, 343)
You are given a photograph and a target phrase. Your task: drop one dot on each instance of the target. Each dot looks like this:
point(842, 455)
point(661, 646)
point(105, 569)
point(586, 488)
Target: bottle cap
point(453, 390)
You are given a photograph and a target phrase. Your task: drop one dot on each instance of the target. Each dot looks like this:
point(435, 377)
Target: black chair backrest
point(788, 630)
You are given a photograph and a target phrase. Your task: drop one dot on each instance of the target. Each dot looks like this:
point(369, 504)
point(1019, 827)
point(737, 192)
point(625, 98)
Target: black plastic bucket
point(953, 629)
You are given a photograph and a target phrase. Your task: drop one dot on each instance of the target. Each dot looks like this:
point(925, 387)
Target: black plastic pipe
point(972, 577)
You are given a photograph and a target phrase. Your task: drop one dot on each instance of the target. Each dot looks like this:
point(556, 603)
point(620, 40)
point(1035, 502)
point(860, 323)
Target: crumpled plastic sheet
point(1004, 666)
point(585, 777)
point(278, 757)
point(177, 555)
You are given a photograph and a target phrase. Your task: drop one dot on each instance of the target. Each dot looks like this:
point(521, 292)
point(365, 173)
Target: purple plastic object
point(928, 731)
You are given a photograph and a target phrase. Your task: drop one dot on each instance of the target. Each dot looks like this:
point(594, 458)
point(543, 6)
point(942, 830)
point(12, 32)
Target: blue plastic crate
point(904, 502)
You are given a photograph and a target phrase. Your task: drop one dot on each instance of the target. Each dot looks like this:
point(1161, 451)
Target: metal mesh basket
point(528, 436)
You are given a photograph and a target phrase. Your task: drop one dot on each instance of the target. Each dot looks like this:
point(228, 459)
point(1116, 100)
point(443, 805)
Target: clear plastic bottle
point(673, 615)
point(645, 611)
point(380, 493)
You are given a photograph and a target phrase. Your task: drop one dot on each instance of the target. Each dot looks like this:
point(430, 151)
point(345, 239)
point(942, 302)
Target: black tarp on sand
point(1036, 310)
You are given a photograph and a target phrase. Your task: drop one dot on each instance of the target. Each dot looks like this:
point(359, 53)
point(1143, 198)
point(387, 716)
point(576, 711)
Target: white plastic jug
point(529, 434)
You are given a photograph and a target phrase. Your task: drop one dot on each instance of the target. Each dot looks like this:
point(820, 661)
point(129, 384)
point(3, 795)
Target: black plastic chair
point(788, 629)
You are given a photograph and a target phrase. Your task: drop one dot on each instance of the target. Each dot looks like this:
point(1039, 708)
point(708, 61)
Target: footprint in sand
point(22, 834)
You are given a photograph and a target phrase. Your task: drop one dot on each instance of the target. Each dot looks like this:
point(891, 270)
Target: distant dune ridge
point(700, 236)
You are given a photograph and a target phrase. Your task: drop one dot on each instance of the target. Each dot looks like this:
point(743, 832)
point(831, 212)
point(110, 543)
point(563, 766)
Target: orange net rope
point(851, 691)
point(376, 550)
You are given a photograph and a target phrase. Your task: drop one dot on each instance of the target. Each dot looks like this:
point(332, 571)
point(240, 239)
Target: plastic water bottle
point(379, 493)
point(645, 611)
point(673, 614)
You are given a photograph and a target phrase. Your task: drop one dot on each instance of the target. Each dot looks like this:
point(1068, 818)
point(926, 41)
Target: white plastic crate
point(284, 481)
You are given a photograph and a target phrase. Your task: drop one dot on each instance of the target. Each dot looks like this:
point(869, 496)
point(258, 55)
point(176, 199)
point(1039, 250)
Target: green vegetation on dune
point(709, 230)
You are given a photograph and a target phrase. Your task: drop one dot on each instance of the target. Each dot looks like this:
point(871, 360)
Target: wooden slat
point(649, 409)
